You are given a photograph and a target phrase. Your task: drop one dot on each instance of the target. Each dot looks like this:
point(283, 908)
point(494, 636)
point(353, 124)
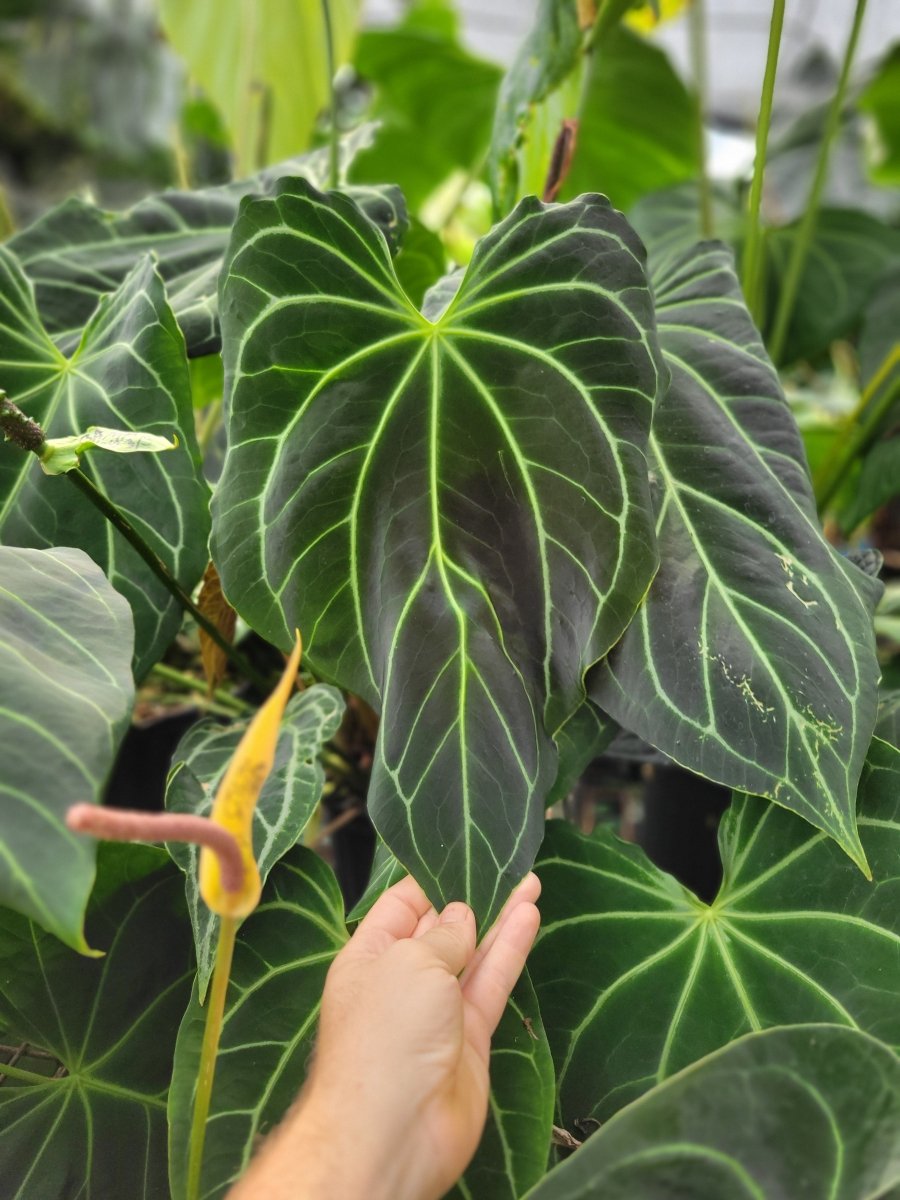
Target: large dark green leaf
point(287, 800)
point(98, 1127)
point(638, 123)
point(65, 699)
point(850, 253)
point(78, 252)
point(752, 661)
point(128, 372)
point(637, 978)
point(792, 1114)
point(282, 955)
point(425, 81)
point(456, 514)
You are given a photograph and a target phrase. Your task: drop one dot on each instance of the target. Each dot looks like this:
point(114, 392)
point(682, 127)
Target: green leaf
point(65, 700)
point(386, 871)
point(393, 488)
point(59, 455)
point(515, 1146)
point(753, 660)
point(287, 800)
point(879, 101)
point(541, 88)
point(638, 129)
point(130, 372)
point(421, 261)
point(283, 952)
point(791, 1114)
point(99, 1129)
point(266, 69)
point(849, 255)
point(584, 737)
point(637, 978)
point(424, 80)
point(77, 252)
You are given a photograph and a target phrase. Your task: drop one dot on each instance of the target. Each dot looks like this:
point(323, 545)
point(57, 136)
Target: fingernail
point(454, 913)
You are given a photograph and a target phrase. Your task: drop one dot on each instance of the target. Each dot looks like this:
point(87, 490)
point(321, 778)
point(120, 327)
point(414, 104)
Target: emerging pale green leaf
point(264, 66)
point(283, 953)
point(77, 252)
point(129, 371)
point(456, 514)
point(791, 1114)
point(66, 693)
point(637, 978)
point(59, 455)
point(753, 660)
point(83, 1109)
point(287, 800)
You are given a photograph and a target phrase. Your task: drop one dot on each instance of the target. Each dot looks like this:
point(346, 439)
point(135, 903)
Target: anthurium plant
point(523, 471)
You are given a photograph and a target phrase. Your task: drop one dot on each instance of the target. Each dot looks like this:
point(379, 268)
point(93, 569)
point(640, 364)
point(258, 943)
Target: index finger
point(393, 916)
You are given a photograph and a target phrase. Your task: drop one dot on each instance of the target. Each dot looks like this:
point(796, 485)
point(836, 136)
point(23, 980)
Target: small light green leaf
point(66, 693)
point(637, 978)
point(583, 738)
point(287, 800)
point(129, 370)
point(282, 955)
point(395, 486)
point(64, 454)
point(752, 661)
point(790, 1114)
point(99, 1127)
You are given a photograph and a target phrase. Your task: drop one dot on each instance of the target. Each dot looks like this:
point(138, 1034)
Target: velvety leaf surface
point(129, 372)
point(100, 1128)
point(790, 1114)
point(282, 955)
point(394, 487)
point(637, 132)
point(752, 661)
point(584, 737)
point(286, 803)
point(637, 978)
point(77, 252)
point(66, 693)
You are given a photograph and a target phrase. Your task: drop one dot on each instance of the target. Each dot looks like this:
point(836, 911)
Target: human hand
point(398, 1094)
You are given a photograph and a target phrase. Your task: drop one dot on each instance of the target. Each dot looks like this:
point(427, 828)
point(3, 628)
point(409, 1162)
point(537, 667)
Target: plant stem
point(188, 683)
point(861, 429)
point(162, 572)
point(806, 228)
point(334, 163)
point(752, 264)
point(701, 82)
point(209, 1051)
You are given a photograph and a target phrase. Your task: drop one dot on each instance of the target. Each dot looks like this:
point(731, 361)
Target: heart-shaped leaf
point(282, 955)
point(753, 659)
point(66, 693)
point(791, 1114)
point(77, 252)
point(637, 978)
point(128, 373)
point(286, 803)
point(396, 488)
point(83, 1106)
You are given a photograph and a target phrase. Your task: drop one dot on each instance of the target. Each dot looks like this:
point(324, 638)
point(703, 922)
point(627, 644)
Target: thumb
point(452, 940)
